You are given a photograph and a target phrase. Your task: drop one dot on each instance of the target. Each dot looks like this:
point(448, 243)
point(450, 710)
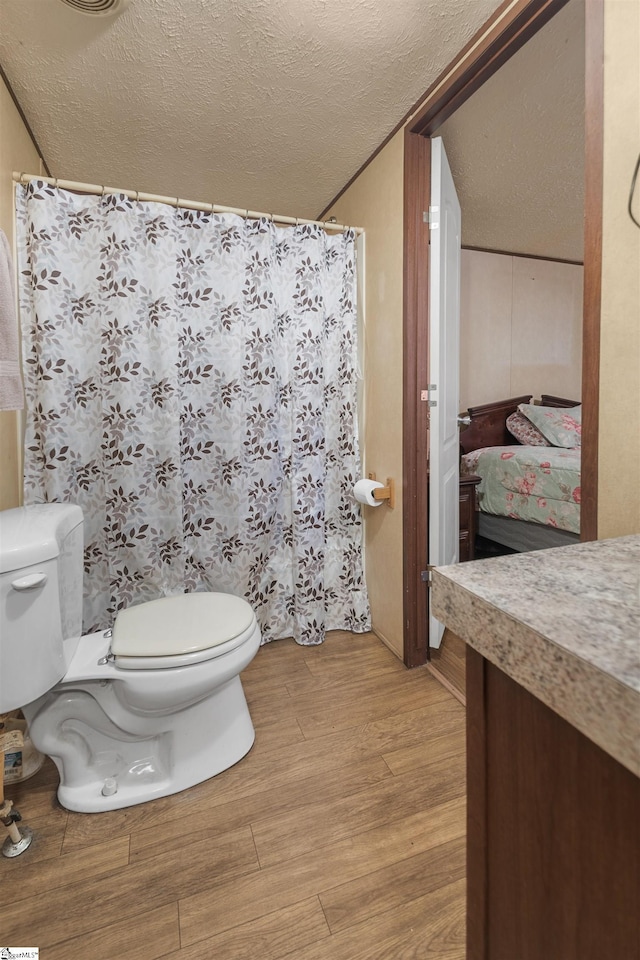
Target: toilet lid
point(178, 625)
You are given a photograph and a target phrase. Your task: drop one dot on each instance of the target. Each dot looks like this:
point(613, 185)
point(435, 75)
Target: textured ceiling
point(516, 147)
point(266, 104)
point(274, 104)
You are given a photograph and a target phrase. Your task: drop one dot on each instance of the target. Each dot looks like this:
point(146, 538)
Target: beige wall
point(16, 153)
point(619, 449)
point(520, 327)
point(374, 202)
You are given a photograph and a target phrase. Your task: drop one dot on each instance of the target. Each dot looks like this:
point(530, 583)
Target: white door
point(444, 359)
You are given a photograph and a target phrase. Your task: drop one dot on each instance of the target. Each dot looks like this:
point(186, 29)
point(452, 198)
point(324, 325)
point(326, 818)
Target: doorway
point(505, 33)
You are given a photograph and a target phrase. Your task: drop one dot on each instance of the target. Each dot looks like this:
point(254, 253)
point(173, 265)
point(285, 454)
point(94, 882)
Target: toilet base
point(102, 767)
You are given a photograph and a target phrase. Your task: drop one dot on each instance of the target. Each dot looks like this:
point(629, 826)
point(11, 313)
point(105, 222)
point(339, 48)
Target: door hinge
point(432, 217)
point(425, 575)
point(424, 395)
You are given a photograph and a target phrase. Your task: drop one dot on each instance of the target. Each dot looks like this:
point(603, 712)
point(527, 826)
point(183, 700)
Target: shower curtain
point(191, 384)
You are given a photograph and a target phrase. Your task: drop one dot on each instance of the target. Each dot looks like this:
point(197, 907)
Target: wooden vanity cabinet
point(553, 849)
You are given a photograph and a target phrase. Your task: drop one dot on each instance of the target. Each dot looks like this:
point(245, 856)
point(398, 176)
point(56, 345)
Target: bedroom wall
point(17, 152)
point(520, 327)
point(619, 427)
point(374, 202)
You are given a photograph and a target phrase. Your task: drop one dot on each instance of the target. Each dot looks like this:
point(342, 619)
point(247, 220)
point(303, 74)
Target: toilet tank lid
point(33, 534)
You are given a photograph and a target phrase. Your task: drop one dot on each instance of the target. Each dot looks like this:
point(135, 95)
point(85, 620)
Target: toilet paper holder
point(385, 493)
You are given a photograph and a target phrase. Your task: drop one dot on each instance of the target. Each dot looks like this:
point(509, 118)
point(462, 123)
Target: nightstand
point(468, 517)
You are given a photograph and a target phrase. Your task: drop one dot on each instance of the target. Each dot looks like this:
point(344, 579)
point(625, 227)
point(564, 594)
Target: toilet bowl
point(143, 711)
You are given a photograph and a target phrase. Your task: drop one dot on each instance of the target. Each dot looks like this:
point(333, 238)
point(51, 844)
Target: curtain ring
point(177, 201)
point(55, 183)
point(103, 190)
point(137, 196)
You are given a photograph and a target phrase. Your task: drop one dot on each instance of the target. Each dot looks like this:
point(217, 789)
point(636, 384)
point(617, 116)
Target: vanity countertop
point(564, 624)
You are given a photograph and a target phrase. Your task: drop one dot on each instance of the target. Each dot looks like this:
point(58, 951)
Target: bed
point(528, 497)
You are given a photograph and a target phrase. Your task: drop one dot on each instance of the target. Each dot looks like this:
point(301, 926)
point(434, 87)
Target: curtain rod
point(177, 202)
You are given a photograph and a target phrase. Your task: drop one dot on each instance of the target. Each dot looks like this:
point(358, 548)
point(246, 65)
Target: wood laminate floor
point(339, 837)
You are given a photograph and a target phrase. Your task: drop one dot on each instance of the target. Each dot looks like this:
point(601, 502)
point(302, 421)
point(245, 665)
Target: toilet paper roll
point(363, 492)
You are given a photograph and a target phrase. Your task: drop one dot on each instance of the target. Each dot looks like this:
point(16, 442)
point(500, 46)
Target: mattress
point(535, 484)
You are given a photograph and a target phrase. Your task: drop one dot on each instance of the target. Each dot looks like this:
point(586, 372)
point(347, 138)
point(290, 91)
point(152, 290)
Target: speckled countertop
point(564, 624)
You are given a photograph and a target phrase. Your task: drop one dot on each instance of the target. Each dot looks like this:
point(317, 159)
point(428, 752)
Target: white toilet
point(150, 710)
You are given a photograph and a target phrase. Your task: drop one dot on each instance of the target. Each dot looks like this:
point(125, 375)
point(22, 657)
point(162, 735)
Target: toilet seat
point(180, 630)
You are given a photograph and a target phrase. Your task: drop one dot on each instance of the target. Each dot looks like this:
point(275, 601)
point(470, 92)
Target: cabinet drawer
point(467, 507)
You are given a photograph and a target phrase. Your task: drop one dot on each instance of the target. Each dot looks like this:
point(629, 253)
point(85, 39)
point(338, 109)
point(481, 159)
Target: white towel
point(11, 392)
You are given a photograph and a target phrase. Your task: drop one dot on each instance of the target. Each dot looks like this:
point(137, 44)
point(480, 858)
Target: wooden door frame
point(510, 27)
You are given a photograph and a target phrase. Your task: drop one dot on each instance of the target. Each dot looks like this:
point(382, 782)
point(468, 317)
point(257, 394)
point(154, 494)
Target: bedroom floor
point(339, 837)
point(489, 548)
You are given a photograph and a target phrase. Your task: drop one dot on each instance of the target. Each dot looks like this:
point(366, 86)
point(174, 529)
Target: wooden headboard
point(548, 401)
point(488, 422)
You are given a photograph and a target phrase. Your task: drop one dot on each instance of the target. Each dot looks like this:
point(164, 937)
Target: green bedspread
point(538, 484)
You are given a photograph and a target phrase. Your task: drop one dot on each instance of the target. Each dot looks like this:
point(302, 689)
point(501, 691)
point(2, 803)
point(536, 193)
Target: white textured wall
point(520, 328)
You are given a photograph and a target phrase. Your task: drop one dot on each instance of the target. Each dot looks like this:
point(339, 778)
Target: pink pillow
point(525, 432)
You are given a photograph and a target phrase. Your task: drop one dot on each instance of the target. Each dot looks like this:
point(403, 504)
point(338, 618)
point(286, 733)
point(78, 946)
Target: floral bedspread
point(538, 484)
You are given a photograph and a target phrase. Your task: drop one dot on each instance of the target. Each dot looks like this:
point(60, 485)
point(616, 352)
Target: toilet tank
point(40, 598)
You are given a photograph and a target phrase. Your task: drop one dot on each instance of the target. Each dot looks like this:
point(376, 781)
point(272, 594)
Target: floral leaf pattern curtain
point(191, 383)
